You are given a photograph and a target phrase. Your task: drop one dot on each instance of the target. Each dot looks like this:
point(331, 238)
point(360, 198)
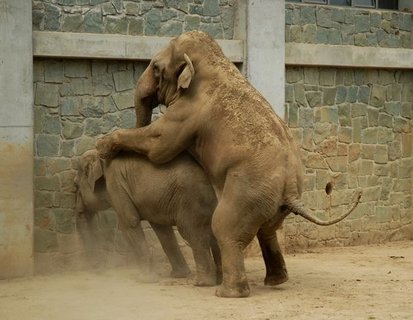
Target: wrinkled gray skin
point(246, 150)
point(174, 194)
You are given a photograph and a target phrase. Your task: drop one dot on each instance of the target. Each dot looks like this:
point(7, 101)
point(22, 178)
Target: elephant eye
point(156, 70)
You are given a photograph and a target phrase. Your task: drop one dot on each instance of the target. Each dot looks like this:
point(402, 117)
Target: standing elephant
point(246, 150)
point(177, 193)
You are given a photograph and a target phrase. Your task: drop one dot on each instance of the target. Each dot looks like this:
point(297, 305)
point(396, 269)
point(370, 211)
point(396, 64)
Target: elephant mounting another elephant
point(246, 150)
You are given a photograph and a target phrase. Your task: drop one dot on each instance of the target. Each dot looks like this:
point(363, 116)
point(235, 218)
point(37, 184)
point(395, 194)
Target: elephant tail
point(297, 207)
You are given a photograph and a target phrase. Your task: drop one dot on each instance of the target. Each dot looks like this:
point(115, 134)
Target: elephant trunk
point(143, 110)
point(297, 207)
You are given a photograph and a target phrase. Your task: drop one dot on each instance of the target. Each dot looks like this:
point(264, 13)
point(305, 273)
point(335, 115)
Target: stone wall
point(136, 17)
point(347, 26)
point(76, 100)
point(354, 127)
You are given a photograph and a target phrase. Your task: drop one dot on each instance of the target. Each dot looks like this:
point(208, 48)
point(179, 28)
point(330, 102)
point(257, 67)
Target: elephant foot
point(180, 273)
point(240, 291)
point(275, 280)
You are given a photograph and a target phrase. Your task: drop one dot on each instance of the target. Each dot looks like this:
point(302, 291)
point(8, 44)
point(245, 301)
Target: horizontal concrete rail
point(111, 46)
point(304, 54)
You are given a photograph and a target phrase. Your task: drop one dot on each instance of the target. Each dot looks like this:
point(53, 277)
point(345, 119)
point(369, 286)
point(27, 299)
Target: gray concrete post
point(266, 50)
point(16, 139)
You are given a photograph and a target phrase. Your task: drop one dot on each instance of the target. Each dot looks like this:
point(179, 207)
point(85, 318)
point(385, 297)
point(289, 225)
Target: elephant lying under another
point(177, 193)
point(246, 150)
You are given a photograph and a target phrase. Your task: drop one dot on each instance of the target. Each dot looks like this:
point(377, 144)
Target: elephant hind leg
point(276, 271)
point(216, 253)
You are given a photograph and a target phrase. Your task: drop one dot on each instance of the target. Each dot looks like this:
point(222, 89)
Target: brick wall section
point(137, 17)
point(348, 26)
point(76, 100)
point(354, 127)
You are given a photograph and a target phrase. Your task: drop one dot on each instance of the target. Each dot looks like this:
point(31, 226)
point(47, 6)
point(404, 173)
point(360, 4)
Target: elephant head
point(91, 193)
point(163, 81)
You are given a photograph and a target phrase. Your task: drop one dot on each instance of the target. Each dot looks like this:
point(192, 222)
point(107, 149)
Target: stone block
point(402, 125)
point(77, 68)
point(344, 115)
point(92, 107)
point(394, 92)
point(110, 121)
point(369, 136)
point(358, 110)
point(385, 120)
point(135, 27)
point(47, 94)
point(315, 161)
point(386, 77)
point(329, 96)
point(378, 95)
point(118, 5)
point(47, 145)
point(406, 22)
point(127, 118)
point(93, 21)
point(352, 94)
point(381, 154)
point(323, 17)
point(83, 144)
point(53, 72)
point(372, 116)
point(337, 164)
point(313, 98)
point(407, 93)
point(45, 241)
point(362, 23)
point(292, 115)
point(192, 23)
point(308, 143)
point(211, 8)
point(360, 39)
point(363, 94)
point(311, 75)
point(72, 23)
point(213, 29)
point(56, 165)
point(381, 170)
point(72, 130)
point(368, 151)
point(69, 106)
point(295, 34)
point(294, 74)
point(345, 134)
point(358, 125)
point(327, 114)
point(124, 80)
point(66, 181)
point(93, 126)
point(171, 29)
point(52, 17)
point(123, 100)
point(322, 35)
point(76, 87)
point(47, 183)
point(102, 84)
point(67, 148)
point(395, 150)
point(116, 25)
point(327, 76)
point(384, 135)
point(133, 9)
point(152, 22)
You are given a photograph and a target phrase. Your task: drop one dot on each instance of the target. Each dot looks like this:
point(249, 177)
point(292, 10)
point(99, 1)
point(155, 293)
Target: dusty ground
point(374, 282)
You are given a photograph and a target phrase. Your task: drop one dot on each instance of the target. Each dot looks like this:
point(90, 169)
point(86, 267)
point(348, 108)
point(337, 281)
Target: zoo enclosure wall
point(353, 123)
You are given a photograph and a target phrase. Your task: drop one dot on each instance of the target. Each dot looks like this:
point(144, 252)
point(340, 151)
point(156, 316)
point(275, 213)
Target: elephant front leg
point(171, 248)
point(276, 271)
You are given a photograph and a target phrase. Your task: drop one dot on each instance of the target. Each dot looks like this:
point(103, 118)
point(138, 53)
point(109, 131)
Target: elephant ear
point(188, 72)
point(94, 173)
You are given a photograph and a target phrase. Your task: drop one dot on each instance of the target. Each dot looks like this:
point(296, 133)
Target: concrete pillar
point(16, 139)
point(266, 50)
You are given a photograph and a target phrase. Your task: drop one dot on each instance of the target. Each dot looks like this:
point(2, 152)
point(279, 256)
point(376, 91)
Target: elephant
point(245, 148)
point(174, 194)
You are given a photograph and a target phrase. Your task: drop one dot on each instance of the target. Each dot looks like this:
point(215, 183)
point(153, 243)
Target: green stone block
point(47, 145)
point(132, 8)
point(116, 25)
point(47, 94)
point(309, 34)
point(344, 115)
point(76, 87)
point(124, 80)
point(358, 110)
point(402, 125)
point(307, 15)
point(327, 76)
point(70, 106)
point(406, 22)
point(92, 107)
point(373, 117)
point(345, 134)
point(341, 94)
point(305, 116)
point(322, 35)
point(93, 22)
point(385, 120)
point(77, 68)
point(47, 183)
point(393, 108)
point(360, 39)
point(294, 74)
point(53, 72)
point(378, 95)
point(171, 29)
point(352, 94)
point(213, 29)
point(52, 125)
point(67, 148)
point(83, 144)
point(407, 93)
point(329, 96)
point(385, 135)
point(152, 22)
point(118, 5)
point(362, 23)
point(338, 15)
point(72, 130)
point(293, 115)
point(93, 126)
point(52, 17)
point(334, 37)
point(311, 75)
point(37, 19)
point(407, 110)
point(192, 23)
point(367, 152)
point(324, 17)
point(123, 100)
point(211, 8)
point(313, 99)
point(363, 94)
point(299, 94)
point(289, 93)
point(110, 121)
point(295, 34)
point(375, 19)
point(127, 118)
point(72, 23)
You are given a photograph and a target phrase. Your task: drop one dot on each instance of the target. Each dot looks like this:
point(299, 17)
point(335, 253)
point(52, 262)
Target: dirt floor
point(368, 282)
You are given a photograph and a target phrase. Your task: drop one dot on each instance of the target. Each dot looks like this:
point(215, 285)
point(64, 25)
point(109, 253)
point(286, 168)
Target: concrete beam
point(110, 46)
point(305, 54)
point(16, 139)
point(266, 51)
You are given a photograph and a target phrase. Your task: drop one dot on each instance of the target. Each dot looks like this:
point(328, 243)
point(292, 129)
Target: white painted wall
point(266, 50)
point(16, 139)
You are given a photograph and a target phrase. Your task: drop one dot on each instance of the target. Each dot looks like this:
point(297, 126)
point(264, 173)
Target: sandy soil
point(374, 282)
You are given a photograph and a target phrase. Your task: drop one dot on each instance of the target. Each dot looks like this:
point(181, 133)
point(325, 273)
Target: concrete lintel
point(305, 54)
point(111, 46)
